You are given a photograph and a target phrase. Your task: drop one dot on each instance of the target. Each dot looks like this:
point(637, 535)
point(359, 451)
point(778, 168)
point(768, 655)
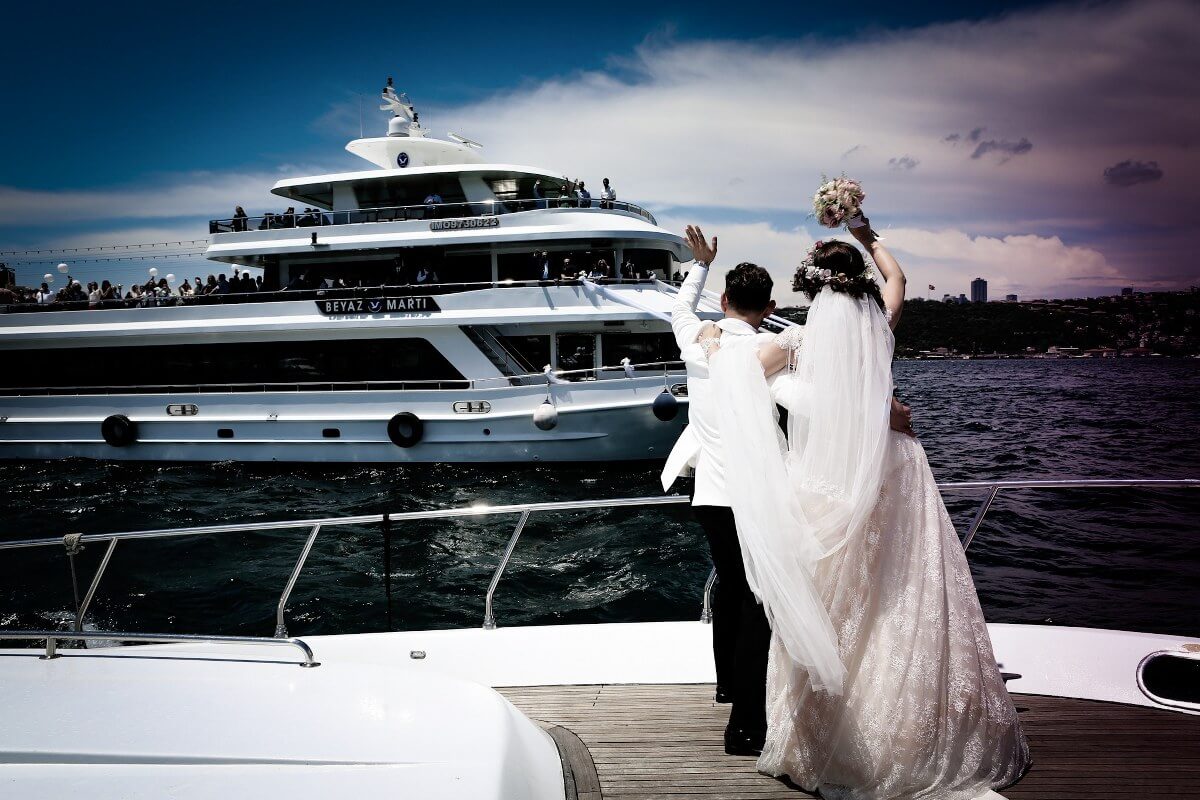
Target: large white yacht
point(425, 309)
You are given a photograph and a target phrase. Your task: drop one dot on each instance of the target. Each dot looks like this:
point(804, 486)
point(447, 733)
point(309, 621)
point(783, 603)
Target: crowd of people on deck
point(571, 194)
point(288, 218)
point(154, 292)
point(159, 291)
point(547, 268)
point(575, 194)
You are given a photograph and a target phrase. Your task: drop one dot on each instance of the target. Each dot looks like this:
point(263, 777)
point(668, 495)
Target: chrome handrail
point(334, 386)
point(307, 294)
point(993, 488)
point(420, 212)
point(52, 638)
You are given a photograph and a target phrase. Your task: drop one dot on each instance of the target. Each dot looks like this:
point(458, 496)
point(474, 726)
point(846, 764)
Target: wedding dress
point(920, 710)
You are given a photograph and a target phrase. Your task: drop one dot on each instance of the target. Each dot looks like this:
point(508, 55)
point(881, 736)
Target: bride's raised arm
point(889, 270)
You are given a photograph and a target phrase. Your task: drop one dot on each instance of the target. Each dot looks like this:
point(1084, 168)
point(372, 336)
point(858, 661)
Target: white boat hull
point(607, 420)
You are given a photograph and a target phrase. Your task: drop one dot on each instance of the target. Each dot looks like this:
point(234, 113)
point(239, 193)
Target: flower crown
point(810, 280)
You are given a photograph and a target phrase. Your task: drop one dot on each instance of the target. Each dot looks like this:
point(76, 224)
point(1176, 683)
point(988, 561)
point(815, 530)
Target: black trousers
point(741, 633)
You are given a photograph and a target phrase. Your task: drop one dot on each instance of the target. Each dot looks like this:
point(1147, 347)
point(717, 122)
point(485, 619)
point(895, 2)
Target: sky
point(1053, 149)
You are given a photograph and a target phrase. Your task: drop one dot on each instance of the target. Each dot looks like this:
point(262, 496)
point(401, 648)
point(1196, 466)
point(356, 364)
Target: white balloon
point(170, 277)
point(153, 271)
point(63, 268)
point(48, 278)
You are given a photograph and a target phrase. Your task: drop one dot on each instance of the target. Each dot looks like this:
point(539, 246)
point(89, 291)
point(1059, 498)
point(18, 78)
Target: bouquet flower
point(837, 201)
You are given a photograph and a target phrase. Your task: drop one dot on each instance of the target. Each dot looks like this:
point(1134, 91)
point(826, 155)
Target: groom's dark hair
point(748, 287)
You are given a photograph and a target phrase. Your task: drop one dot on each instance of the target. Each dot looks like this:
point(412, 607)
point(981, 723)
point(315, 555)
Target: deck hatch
point(1171, 678)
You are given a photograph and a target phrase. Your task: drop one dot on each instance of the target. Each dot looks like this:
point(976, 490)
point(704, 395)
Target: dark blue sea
point(1112, 559)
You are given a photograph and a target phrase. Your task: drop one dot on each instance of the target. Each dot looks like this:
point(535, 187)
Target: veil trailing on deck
point(842, 391)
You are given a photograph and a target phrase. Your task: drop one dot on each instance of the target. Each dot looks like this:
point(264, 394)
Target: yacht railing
point(428, 212)
point(72, 543)
point(669, 369)
point(52, 638)
point(293, 295)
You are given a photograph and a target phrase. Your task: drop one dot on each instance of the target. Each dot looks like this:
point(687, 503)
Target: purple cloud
point(1003, 146)
point(1128, 173)
point(903, 162)
point(952, 137)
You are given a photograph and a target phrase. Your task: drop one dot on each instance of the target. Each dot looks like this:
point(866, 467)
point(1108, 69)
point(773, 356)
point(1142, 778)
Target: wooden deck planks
point(664, 741)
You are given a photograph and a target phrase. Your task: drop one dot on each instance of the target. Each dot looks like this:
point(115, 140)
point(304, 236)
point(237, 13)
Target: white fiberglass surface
point(223, 724)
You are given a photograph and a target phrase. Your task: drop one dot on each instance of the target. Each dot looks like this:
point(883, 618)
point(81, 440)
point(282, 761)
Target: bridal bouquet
point(838, 201)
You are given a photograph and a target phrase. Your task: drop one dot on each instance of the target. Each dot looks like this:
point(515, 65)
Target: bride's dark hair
point(839, 266)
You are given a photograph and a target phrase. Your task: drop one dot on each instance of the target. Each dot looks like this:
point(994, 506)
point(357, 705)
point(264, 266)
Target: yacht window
point(506, 188)
point(639, 348)
point(645, 260)
point(220, 365)
point(534, 351)
point(576, 351)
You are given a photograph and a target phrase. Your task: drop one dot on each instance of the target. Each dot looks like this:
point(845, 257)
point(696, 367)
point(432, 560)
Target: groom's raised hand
point(702, 251)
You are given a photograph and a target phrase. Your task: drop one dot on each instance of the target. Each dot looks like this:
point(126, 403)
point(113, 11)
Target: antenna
point(463, 140)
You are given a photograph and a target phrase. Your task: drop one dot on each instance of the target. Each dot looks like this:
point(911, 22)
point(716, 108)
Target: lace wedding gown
point(923, 711)
point(882, 683)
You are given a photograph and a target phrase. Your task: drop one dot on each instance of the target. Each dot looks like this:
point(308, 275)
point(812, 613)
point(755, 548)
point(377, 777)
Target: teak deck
point(664, 741)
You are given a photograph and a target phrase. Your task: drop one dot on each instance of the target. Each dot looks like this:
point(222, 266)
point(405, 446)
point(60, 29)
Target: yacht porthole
point(487, 431)
point(331, 433)
point(224, 433)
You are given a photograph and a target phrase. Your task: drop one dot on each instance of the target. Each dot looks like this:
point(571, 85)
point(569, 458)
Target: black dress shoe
point(723, 696)
point(743, 743)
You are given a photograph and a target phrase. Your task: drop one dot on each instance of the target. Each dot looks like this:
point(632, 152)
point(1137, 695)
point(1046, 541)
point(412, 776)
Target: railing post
point(706, 607)
point(979, 515)
point(489, 618)
point(387, 566)
point(51, 648)
point(91, 592)
point(71, 543)
point(280, 627)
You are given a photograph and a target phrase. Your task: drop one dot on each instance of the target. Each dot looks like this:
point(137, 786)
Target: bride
point(882, 682)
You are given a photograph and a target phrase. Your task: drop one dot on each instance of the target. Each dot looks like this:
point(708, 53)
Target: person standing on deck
point(607, 195)
point(741, 634)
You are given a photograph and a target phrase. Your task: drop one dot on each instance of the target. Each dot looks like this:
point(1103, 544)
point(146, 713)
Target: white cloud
point(736, 131)
point(1026, 265)
point(1057, 95)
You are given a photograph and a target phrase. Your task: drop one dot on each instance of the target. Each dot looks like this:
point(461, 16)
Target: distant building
point(1010, 298)
point(979, 291)
point(946, 298)
point(1127, 291)
point(962, 299)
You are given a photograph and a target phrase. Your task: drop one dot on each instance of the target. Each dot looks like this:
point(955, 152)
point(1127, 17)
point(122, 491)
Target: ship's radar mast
point(405, 121)
point(408, 144)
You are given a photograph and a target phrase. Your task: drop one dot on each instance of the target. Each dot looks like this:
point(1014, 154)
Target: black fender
point(405, 429)
point(118, 430)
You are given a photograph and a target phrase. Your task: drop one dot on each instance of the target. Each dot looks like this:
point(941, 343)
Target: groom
point(741, 633)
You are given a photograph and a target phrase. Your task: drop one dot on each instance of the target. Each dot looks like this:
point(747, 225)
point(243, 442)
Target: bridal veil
point(793, 508)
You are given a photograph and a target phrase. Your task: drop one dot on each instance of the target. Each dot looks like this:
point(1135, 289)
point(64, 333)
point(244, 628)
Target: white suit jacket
point(699, 446)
